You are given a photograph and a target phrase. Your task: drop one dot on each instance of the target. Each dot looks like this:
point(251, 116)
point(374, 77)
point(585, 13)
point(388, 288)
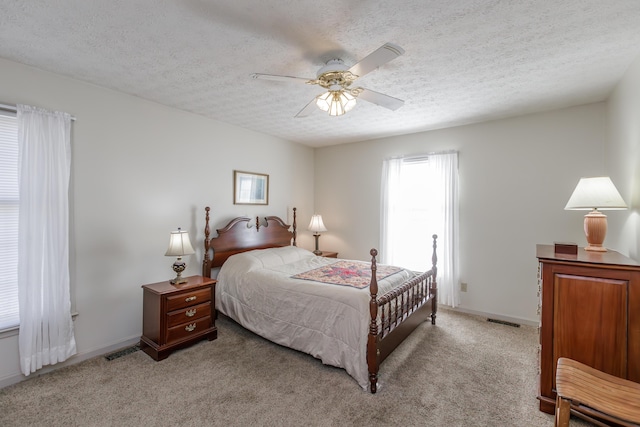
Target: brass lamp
point(179, 246)
point(316, 225)
point(593, 194)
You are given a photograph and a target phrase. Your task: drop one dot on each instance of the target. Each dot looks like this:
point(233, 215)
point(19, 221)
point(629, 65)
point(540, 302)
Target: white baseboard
point(76, 358)
point(519, 321)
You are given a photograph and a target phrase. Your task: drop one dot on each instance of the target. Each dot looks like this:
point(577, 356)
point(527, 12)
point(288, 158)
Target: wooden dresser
point(590, 312)
point(175, 316)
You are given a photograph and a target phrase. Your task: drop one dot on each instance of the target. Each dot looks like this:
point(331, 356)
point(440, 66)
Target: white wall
point(516, 176)
point(624, 162)
point(139, 171)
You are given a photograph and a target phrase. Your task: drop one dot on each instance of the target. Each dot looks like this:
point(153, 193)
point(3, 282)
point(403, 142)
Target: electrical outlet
point(463, 287)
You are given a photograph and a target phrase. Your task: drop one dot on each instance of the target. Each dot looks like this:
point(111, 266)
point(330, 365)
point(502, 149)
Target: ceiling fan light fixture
point(336, 102)
point(337, 79)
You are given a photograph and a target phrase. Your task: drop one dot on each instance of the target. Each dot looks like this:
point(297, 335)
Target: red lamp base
point(595, 228)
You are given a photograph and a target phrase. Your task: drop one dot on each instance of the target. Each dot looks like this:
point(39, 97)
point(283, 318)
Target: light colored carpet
point(464, 371)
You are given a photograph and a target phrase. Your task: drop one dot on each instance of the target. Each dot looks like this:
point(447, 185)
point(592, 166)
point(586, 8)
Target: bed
point(346, 313)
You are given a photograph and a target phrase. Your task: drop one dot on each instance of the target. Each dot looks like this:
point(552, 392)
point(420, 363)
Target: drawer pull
point(191, 313)
point(190, 328)
point(189, 299)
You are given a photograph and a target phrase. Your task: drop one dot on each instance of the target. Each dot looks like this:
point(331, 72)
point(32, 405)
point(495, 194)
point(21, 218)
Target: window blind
point(9, 205)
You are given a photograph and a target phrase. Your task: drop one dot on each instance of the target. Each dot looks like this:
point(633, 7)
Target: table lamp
point(316, 225)
point(179, 246)
point(595, 194)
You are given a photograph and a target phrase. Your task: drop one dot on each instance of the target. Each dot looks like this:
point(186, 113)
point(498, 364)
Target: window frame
point(11, 197)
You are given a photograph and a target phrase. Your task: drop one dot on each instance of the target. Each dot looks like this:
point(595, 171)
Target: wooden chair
point(594, 395)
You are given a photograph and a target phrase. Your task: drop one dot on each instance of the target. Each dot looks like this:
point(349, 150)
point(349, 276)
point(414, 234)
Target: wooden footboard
point(397, 313)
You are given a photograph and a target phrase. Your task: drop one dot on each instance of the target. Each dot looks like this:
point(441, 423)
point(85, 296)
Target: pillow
point(260, 258)
point(280, 256)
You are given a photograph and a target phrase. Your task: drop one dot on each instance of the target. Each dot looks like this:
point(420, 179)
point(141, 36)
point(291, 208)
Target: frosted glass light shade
point(316, 225)
point(179, 244)
point(595, 193)
point(336, 102)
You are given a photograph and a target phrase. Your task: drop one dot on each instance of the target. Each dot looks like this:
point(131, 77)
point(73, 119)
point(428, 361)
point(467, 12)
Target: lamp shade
point(336, 102)
point(316, 225)
point(179, 244)
point(595, 193)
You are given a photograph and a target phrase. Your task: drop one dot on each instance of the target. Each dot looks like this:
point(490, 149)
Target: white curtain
point(419, 199)
point(389, 237)
point(46, 328)
point(445, 167)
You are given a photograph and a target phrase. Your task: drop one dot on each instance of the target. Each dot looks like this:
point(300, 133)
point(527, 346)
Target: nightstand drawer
point(187, 299)
point(186, 330)
point(188, 314)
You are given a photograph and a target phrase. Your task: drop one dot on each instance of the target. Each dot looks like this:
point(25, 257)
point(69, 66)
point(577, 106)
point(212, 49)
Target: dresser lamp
point(316, 225)
point(179, 246)
point(595, 194)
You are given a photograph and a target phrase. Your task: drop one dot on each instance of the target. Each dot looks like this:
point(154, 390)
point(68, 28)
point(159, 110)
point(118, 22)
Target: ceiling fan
point(337, 78)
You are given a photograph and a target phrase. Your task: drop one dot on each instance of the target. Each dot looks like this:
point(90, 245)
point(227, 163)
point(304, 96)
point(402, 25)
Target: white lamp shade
point(179, 244)
point(336, 102)
point(595, 193)
point(316, 225)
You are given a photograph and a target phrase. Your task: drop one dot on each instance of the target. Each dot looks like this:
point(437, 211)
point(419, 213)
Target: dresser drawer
point(187, 299)
point(185, 330)
point(188, 314)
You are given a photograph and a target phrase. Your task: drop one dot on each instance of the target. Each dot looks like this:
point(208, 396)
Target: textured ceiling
point(465, 61)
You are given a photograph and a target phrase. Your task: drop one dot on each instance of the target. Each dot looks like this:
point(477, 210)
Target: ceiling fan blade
point(280, 78)
point(308, 109)
point(380, 56)
point(381, 99)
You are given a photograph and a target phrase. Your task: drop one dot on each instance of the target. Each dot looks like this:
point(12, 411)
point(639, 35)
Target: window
point(419, 199)
point(9, 205)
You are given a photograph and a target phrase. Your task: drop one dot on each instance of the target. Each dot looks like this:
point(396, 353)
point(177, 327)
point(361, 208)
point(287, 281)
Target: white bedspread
point(330, 322)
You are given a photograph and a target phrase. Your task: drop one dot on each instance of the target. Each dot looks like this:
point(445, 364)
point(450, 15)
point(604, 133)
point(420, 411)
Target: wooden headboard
point(243, 234)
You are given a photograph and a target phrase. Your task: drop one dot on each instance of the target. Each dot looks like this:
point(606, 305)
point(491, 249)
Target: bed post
point(295, 233)
point(434, 282)
point(206, 263)
point(372, 339)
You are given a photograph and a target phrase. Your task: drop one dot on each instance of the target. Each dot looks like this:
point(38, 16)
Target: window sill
point(9, 332)
point(13, 331)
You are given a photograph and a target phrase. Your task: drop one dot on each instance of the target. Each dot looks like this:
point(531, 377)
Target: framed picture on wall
point(250, 188)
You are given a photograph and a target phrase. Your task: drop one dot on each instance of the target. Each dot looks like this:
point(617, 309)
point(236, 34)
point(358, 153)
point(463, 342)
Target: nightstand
point(329, 254)
point(176, 316)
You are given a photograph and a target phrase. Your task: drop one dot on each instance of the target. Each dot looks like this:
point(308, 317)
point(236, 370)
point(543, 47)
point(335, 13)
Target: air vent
point(502, 322)
point(122, 352)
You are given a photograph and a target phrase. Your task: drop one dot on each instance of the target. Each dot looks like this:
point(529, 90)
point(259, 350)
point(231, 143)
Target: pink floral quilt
point(347, 273)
